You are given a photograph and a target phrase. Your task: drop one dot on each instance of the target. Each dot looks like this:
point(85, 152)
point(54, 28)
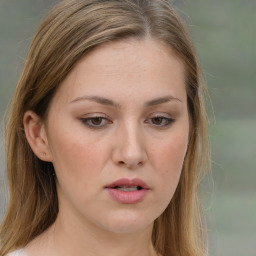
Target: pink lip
point(128, 197)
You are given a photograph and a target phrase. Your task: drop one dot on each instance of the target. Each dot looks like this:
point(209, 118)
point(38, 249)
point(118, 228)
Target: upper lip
point(128, 183)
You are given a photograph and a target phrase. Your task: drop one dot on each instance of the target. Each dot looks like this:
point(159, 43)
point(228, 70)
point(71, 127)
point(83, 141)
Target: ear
point(36, 136)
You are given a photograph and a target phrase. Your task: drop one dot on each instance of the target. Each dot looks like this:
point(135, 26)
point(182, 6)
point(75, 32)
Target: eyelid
point(89, 117)
point(95, 114)
point(160, 114)
point(167, 117)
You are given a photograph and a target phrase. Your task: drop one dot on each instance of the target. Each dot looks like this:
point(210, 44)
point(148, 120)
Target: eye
point(160, 121)
point(95, 122)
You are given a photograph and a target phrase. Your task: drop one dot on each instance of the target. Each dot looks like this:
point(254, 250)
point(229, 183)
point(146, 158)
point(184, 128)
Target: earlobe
point(36, 136)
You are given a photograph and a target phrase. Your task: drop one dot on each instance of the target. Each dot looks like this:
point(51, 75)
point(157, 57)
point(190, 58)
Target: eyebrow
point(162, 100)
point(105, 101)
point(98, 99)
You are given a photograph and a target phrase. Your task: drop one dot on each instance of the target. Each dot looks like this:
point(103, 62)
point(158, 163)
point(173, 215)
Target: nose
point(129, 150)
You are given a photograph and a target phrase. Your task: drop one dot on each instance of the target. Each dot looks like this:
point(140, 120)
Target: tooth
point(127, 188)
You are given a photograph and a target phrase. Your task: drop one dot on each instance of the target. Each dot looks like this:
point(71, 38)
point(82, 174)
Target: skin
point(93, 143)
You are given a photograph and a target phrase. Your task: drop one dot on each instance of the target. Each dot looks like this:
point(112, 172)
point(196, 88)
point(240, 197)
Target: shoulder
point(19, 252)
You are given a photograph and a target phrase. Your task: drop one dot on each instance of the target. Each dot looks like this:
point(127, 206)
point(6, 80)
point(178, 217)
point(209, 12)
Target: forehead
point(131, 56)
point(129, 67)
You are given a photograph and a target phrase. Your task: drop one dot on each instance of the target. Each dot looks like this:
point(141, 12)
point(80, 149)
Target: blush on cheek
point(171, 157)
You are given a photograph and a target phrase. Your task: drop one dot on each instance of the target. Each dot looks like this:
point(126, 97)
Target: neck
point(70, 238)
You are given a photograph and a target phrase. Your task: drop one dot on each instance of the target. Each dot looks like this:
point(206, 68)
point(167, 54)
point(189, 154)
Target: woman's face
point(117, 133)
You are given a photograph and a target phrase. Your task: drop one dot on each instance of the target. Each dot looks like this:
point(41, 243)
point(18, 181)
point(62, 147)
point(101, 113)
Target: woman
point(106, 140)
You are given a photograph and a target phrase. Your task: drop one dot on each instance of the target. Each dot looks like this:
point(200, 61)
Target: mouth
point(128, 188)
point(126, 191)
point(128, 184)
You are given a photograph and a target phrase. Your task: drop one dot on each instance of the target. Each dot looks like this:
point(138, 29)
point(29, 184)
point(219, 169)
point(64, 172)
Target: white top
point(19, 252)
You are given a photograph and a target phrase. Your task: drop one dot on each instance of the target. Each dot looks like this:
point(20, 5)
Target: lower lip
point(130, 197)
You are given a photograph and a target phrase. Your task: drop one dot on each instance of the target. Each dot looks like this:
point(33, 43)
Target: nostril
point(130, 165)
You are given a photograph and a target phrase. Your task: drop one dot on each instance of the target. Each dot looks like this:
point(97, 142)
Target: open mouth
point(128, 184)
point(128, 191)
point(128, 188)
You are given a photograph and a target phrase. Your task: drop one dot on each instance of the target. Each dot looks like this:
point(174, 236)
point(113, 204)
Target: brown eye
point(157, 120)
point(96, 122)
point(160, 121)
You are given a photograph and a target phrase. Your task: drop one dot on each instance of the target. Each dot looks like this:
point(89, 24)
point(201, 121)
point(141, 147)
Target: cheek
point(168, 161)
point(75, 157)
point(170, 155)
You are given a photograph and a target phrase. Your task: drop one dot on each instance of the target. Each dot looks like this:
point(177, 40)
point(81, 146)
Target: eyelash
point(167, 121)
point(88, 121)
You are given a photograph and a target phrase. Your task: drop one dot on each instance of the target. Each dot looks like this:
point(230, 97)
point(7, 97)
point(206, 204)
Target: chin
point(128, 222)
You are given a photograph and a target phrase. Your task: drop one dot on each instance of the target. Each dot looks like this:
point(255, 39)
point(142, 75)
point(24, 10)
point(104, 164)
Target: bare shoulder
point(19, 252)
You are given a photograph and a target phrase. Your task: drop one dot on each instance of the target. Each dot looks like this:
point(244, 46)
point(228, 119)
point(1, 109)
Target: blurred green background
point(224, 33)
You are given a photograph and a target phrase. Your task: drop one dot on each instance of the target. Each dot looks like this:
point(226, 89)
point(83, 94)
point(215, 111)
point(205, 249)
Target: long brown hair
point(70, 30)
